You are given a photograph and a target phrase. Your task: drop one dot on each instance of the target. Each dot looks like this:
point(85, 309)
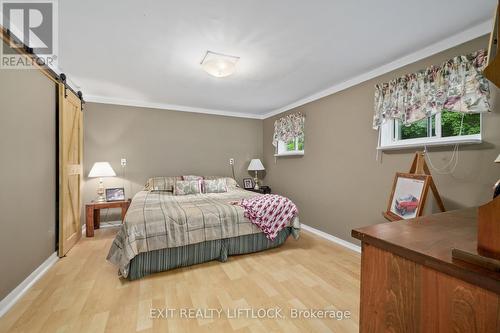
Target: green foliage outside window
point(300, 142)
point(450, 126)
point(450, 123)
point(290, 145)
point(417, 129)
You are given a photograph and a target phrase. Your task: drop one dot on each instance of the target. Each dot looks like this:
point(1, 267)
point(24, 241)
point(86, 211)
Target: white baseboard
point(22, 288)
point(332, 238)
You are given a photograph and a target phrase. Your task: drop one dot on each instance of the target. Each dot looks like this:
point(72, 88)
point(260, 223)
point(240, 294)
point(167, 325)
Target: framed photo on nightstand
point(248, 183)
point(115, 194)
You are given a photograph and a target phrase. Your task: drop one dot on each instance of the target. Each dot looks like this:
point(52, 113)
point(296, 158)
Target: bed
point(163, 231)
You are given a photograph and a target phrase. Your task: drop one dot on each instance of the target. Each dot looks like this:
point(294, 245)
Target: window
point(292, 147)
point(288, 138)
point(441, 129)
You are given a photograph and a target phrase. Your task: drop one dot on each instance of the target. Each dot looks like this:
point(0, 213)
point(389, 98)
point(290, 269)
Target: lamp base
point(100, 192)
point(256, 187)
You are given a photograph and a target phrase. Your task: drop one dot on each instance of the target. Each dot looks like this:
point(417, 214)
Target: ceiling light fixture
point(218, 64)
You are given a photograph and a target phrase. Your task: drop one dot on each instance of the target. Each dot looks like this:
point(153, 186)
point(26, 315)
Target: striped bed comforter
point(160, 220)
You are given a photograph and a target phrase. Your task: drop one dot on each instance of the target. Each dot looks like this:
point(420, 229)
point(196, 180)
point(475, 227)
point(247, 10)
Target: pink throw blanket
point(270, 212)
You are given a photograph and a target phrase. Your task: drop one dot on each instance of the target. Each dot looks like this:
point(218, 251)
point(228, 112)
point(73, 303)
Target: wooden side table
point(93, 213)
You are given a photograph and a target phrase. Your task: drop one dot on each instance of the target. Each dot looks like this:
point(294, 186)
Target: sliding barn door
point(70, 169)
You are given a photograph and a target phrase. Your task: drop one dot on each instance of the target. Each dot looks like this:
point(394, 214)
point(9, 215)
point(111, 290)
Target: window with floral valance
point(456, 88)
point(288, 136)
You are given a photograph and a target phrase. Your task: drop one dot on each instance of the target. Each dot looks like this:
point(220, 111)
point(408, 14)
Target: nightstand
point(261, 190)
point(93, 214)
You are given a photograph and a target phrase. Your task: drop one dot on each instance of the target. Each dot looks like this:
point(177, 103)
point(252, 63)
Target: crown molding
point(447, 43)
point(171, 107)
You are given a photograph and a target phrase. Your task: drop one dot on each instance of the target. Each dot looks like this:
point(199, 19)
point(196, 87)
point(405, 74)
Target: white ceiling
point(148, 52)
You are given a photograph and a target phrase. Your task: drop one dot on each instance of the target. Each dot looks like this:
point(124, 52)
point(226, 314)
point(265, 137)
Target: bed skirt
point(166, 259)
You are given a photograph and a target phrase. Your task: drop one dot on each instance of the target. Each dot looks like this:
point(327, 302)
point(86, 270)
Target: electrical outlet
point(231, 161)
point(123, 162)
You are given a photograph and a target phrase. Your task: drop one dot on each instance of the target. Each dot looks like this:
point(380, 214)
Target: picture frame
point(115, 194)
point(248, 183)
point(408, 196)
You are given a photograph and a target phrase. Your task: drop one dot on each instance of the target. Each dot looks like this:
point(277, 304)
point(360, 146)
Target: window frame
point(282, 151)
point(388, 132)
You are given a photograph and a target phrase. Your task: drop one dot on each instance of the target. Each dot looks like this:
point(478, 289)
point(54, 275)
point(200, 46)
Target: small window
point(292, 147)
point(441, 129)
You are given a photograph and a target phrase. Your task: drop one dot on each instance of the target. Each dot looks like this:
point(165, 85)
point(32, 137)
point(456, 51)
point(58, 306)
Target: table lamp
point(256, 165)
point(100, 170)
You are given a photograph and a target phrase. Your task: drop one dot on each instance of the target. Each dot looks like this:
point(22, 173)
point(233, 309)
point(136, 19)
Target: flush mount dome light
point(218, 64)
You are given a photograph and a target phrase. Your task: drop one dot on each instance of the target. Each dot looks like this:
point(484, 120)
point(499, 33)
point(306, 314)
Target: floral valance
point(456, 85)
point(288, 127)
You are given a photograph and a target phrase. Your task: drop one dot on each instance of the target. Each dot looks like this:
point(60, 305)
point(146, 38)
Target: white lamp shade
point(255, 165)
point(101, 169)
point(498, 159)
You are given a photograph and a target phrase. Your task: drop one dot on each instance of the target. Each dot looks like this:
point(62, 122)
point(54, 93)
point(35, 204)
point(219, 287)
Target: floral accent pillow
point(215, 185)
point(192, 177)
point(185, 187)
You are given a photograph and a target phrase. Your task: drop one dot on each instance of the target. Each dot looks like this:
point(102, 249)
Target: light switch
point(123, 162)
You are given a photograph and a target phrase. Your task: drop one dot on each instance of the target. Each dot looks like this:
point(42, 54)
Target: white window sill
point(414, 143)
point(290, 153)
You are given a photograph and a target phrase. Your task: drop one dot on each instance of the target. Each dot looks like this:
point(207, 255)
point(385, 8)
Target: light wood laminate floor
point(82, 292)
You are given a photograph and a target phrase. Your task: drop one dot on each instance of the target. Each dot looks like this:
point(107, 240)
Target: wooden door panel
point(70, 169)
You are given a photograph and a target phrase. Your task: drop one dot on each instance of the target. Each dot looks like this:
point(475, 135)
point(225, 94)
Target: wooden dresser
point(410, 283)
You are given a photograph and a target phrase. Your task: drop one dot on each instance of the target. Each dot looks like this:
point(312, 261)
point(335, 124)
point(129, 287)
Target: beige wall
point(165, 143)
point(27, 174)
point(338, 185)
